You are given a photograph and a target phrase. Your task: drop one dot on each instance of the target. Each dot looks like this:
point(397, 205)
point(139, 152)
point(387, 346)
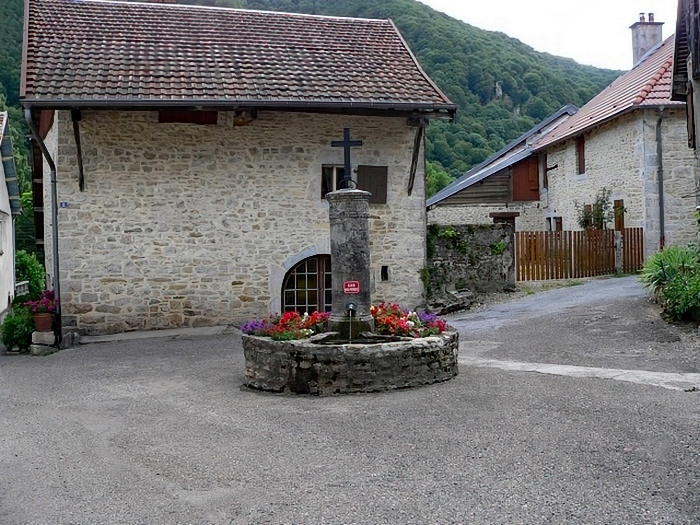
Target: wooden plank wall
point(544, 255)
point(495, 189)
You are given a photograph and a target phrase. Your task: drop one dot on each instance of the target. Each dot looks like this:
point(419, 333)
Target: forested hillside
point(501, 86)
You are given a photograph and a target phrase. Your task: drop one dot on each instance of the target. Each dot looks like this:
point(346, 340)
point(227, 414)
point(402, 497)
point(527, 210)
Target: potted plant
point(43, 310)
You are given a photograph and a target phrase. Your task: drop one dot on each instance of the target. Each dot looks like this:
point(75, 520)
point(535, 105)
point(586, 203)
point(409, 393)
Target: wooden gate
point(544, 255)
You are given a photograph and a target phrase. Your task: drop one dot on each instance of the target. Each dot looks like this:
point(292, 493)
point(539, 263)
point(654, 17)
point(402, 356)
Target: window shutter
point(374, 180)
point(533, 175)
point(558, 224)
point(581, 154)
point(619, 207)
point(545, 175)
point(690, 116)
point(188, 117)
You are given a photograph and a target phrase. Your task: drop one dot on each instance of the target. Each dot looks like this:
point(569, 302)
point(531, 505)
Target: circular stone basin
point(321, 366)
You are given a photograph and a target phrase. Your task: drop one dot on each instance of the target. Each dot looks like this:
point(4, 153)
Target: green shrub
point(28, 268)
point(681, 296)
point(664, 266)
point(17, 328)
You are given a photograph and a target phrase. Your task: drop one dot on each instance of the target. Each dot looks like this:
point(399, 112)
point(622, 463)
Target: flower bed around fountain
point(408, 350)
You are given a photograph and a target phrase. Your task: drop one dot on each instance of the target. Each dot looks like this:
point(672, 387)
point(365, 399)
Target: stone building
point(192, 151)
point(506, 186)
point(630, 139)
point(10, 207)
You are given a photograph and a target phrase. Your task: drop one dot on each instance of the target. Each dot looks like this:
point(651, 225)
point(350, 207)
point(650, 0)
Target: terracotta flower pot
point(43, 322)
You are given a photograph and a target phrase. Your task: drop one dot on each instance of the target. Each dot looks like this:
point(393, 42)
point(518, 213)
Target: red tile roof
point(101, 52)
point(646, 85)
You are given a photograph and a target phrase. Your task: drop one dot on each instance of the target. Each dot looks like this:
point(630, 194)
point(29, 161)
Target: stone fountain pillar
point(350, 262)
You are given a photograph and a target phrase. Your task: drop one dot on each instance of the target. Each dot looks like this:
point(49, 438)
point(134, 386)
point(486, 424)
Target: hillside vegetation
point(501, 86)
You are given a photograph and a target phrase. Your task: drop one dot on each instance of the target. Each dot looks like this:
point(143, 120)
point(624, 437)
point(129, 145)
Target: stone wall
point(531, 217)
point(465, 261)
point(186, 225)
point(302, 367)
point(621, 156)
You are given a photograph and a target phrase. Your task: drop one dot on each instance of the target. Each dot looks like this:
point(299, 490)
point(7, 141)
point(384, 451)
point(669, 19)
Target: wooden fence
point(544, 255)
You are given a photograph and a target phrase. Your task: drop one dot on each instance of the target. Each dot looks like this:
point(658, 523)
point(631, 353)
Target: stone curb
point(669, 380)
point(157, 334)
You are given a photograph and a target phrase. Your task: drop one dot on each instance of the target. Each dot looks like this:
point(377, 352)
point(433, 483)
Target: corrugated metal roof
point(97, 51)
point(509, 155)
point(8, 164)
point(648, 84)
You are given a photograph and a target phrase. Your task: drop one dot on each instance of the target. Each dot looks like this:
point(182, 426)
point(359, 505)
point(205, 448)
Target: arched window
point(307, 286)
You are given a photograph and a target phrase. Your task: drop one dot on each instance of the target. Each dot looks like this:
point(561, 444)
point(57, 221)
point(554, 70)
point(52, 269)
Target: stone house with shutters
point(10, 207)
point(630, 139)
point(505, 187)
point(191, 149)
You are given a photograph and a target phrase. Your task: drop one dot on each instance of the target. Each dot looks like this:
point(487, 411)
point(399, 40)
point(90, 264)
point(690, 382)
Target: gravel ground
point(161, 432)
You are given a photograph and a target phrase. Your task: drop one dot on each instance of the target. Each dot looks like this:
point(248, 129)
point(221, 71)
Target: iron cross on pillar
point(346, 143)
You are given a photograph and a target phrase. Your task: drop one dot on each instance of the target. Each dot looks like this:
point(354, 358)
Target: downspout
point(660, 175)
point(54, 223)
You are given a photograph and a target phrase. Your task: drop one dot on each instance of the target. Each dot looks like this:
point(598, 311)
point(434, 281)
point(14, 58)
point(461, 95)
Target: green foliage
point(28, 268)
point(11, 14)
point(598, 215)
point(498, 248)
point(436, 178)
point(501, 86)
point(663, 267)
point(681, 295)
point(17, 328)
point(24, 226)
point(449, 233)
point(673, 274)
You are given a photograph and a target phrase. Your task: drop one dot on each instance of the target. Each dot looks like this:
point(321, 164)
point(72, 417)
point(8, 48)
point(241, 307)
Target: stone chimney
point(645, 36)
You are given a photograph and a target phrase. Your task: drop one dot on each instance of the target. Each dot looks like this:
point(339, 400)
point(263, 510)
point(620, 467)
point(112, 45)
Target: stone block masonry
point(465, 261)
point(302, 367)
point(184, 225)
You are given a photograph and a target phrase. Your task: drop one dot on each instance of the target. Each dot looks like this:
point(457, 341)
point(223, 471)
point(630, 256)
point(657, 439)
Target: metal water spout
point(351, 311)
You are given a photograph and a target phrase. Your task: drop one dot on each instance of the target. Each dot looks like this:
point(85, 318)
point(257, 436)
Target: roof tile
point(648, 84)
point(107, 50)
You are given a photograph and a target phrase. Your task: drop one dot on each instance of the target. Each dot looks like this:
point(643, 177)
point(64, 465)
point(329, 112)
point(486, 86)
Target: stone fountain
point(350, 358)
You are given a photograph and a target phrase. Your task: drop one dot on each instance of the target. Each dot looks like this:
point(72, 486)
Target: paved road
point(160, 432)
point(607, 323)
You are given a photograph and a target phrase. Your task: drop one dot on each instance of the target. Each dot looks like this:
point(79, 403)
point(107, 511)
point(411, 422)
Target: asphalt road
point(161, 432)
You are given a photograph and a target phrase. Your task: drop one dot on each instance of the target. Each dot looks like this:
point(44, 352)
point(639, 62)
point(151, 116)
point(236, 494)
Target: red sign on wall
point(351, 287)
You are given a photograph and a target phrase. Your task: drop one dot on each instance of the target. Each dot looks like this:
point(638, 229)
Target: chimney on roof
point(645, 36)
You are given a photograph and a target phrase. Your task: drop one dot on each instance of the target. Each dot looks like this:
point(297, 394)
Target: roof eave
point(8, 164)
point(447, 110)
point(451, 191)
point(630, 109)
point(458, 185)
point(679, 75)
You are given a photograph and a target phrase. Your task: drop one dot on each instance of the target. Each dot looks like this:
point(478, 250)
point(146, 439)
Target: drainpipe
point(54, 221)
point(660, 172)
